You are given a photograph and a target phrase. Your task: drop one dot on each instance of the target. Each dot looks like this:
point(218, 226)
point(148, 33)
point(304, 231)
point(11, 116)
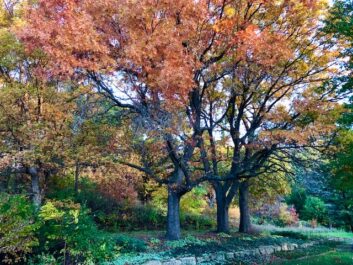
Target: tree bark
point(77, 176)
point(173, 215)
point(222, 215)
point(222, 209)
point(36, 193)
point(224, 196)
point(245, 223)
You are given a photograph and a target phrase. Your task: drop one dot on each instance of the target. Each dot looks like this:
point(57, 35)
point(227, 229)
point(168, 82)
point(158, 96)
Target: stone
point(229, 255)
point(220, 257)
point(238, 254)
point(266, 250)
point(153, 262)
point(213, 256)
point(270, 250)
point(278, 249)
point(203, 258)
point(262, 250)
point(285, 247)
point(172, 262)
point(256, 251)
point(188, 261)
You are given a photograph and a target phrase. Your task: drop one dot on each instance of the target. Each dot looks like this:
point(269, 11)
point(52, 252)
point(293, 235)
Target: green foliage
point(70, 234)
point(17, 228)
point(187, 241)
point(315, 209)
point(198, 221)
point(194, 202)
point(44, 259)
point(130, 244)
point(297, 198)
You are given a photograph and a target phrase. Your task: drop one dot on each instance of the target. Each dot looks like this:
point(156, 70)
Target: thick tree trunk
point(222, 210)
point(173, 215)
point(36, 193)
point(224, 196)
point(245, 223)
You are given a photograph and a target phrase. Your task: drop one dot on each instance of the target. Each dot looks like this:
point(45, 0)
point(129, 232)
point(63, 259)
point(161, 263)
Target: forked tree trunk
point(224, 196)
point(245, 223)
point(173, 215)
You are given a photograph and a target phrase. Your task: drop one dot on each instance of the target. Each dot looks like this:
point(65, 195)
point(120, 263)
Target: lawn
point(328, 258)
point(320, 232)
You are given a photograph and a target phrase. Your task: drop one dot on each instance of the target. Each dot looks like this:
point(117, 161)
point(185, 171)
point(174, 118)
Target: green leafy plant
point(70, 233)
point(17, 228)
point(130, 244)
point(315, 209)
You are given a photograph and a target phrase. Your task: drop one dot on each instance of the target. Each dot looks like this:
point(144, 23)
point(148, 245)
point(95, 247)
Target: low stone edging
point(230, 256)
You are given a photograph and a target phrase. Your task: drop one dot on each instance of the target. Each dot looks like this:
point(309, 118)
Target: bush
point(70, 234)
point(315, 209)
point(44, 259)
point(287, 216)
point(130, 244)
point(297, 198)
point(137, 217)
point(279, 214)
point(17, 228)
point(198, 222)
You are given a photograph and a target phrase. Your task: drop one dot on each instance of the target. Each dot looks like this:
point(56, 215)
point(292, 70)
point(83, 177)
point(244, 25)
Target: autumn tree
point(275, 102)
point(164, 62)
point(34, 118)
point(43, 130)
point(157, 55)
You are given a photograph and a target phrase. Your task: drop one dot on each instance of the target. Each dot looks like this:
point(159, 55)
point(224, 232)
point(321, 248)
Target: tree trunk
point(173, 215)
point(245, 224)
point(36, 193)
point(222, 210)
point(77, 175)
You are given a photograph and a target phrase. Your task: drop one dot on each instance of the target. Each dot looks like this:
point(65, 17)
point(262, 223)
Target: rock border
point(230, 256)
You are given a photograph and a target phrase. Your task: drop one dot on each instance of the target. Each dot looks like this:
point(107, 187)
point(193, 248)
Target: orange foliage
point(164, 43)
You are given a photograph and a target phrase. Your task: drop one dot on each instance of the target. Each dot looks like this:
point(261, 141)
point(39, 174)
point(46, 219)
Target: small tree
point(315, 209)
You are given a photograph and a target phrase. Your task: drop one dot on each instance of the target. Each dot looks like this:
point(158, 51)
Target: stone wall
point(229, 256)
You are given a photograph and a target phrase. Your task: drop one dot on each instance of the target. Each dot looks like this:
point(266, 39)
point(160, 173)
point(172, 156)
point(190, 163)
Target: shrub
point(44, 259)
point(287, 216)
point(279, 214)
point(195, 221)
point(17, 228)
point(297, 198)
point(71, 235)
point(187, 241)
point(130, 244)
point(315, 209)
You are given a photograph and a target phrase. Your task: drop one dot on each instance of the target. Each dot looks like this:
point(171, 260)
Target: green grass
point(321, 232)
point(328, 258)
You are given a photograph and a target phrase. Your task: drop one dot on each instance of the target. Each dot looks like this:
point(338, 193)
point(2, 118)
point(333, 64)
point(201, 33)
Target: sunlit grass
point(309, 232)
